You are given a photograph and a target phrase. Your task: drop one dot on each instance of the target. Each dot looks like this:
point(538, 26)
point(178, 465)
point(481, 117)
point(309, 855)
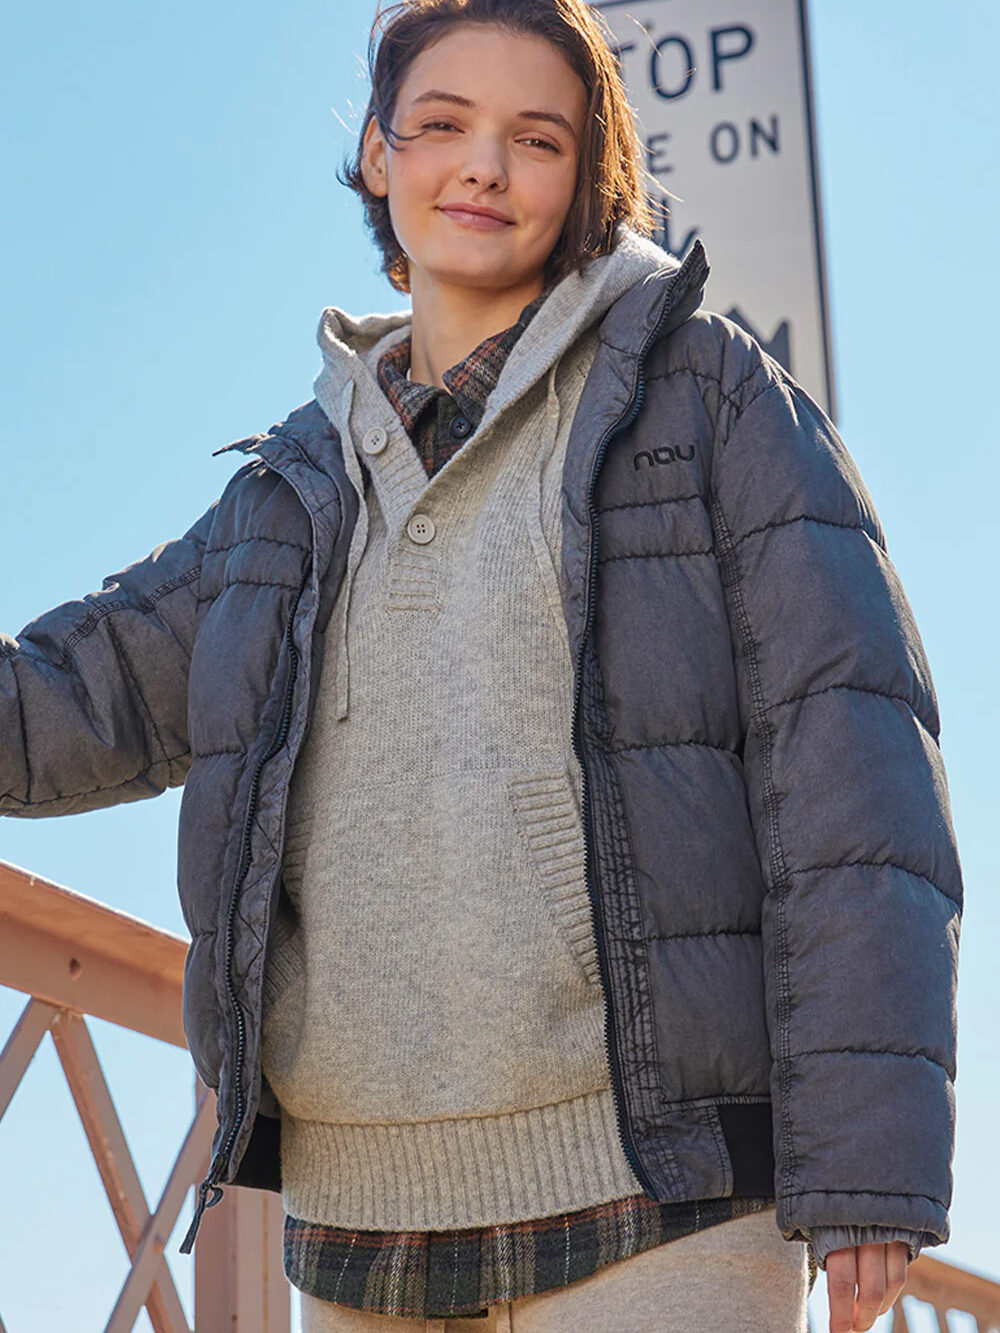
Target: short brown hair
point(609, 184)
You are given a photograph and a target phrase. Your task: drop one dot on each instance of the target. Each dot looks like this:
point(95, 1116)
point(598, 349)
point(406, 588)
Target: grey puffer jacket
point(773, 873)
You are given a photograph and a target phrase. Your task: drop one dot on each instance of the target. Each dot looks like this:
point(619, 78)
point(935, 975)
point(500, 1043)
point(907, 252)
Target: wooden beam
point(19, 1051)
point(947, 1287)
point(113, 1157)
point(191, 1162)
point(239, 1277)
point(76, 956)
point(76, 953)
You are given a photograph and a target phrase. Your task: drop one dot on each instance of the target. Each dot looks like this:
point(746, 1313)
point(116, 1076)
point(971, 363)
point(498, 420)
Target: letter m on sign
point(778, 346)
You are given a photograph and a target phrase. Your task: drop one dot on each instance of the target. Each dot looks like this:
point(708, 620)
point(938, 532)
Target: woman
point(601, 949)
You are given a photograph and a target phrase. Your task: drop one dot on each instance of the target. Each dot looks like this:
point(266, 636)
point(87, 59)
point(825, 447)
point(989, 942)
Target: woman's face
point(506, 136)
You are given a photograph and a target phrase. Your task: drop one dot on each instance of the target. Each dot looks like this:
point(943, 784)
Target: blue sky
point(171, 229)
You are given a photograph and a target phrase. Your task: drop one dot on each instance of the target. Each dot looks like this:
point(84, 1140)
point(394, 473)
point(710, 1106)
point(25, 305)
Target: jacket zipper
point(610, 1033)
point(215, 1171)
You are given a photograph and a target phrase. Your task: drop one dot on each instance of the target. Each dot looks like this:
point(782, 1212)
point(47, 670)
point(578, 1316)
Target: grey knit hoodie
point(433, 1012)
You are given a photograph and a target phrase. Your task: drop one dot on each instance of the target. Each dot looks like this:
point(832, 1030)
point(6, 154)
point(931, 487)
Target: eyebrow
point(551, 117)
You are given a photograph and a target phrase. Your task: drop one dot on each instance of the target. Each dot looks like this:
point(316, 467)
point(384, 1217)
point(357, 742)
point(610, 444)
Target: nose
point(484, 165)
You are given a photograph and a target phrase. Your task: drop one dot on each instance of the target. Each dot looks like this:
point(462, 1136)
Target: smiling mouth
point(475, 221)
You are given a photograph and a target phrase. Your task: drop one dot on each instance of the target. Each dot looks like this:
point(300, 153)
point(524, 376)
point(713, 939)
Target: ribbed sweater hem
point(443, 1175)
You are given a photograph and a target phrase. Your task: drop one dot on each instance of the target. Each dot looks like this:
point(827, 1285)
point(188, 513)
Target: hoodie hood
point(351, 345)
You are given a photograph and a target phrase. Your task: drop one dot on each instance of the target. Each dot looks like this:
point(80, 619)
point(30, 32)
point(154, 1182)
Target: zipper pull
point(203, 1202)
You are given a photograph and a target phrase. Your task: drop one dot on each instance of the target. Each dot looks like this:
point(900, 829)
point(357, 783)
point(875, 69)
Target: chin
point(483, 275)
point(474, 273)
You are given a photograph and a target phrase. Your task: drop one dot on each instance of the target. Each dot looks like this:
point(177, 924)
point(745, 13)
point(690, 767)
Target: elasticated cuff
point(824, 1240)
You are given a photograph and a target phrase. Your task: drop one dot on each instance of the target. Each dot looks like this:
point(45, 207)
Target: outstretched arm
point(93, 694)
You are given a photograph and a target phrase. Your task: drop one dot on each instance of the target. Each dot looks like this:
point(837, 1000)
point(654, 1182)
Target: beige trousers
point(737, 1277)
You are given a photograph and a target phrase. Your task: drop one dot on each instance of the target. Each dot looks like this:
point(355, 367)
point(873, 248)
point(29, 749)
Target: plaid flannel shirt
point(437, 1274)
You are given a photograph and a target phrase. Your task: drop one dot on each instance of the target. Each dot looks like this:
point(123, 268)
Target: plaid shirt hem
point(442, 1274)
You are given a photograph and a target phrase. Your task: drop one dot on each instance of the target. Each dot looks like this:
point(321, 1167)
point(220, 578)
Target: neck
point(449, 321)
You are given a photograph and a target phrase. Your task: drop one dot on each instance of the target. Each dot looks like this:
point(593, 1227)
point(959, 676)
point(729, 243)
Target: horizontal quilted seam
point(860, 1194)
point(99, 613)
point(250, 583)
point(701, 934)
point(643, 504)
point(655, 555)
point(880, 1052)
point(114, 786)
point(246, 541)
point(729, 397)
point(807, 518)
point(716, 1099)
point(860, 689)
point(876, 865)
point(666, 745)
point(758, 361)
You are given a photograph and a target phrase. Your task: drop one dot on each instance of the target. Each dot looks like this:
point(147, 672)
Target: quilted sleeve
point(850, 809)
point(93, 694)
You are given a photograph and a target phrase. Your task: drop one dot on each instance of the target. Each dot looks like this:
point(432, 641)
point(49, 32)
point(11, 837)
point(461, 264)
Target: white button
point(375, 440)
point(421, 529)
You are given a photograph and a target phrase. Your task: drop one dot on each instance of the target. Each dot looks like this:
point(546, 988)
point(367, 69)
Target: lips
point(478, 209)
point(470, 220)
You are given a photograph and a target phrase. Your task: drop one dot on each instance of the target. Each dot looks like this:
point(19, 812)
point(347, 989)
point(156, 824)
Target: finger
point(871, 1285)
point(897, 1257)
point(841, 1280)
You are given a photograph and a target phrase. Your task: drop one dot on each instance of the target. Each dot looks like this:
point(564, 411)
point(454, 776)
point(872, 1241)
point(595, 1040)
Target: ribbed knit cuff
point(441, 1175)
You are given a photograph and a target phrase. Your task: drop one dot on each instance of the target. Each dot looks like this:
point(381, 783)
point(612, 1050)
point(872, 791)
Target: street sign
point(722, 93)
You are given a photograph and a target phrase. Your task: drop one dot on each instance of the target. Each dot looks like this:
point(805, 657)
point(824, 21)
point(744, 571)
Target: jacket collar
point(632, 285)
point(631, 321)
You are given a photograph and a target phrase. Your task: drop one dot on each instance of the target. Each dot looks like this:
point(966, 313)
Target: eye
point(447, 124)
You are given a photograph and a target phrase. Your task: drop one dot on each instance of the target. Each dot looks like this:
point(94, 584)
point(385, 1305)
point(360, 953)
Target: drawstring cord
point(358, 540)
point(536, 531)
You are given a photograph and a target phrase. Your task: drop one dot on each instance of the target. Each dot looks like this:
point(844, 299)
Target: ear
point(373, 160)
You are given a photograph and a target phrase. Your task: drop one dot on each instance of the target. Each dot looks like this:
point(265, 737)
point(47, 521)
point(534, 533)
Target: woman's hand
point(877, 1271)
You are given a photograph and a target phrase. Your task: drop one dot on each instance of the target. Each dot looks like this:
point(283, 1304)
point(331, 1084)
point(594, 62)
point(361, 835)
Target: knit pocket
point(284, 964)
point(548, 818)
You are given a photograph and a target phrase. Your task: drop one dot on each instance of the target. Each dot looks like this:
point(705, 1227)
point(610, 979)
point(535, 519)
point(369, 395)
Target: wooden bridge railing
point(74, 957)
point(945, 1287)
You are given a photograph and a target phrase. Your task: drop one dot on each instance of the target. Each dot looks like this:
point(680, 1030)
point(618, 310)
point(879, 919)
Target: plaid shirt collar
point(470, 382)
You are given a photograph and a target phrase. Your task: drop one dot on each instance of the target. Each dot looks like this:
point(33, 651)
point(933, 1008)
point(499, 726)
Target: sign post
point(722, 93)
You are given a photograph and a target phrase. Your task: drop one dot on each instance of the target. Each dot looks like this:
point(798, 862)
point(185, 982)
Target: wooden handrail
point(946, 1287)
point(74, 957)
point(76, 953)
